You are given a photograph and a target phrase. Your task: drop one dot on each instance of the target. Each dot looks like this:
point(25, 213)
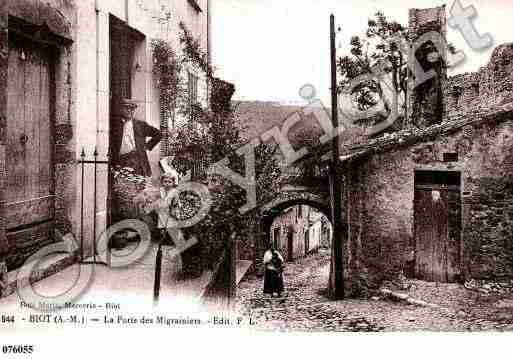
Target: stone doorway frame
point(44, 24)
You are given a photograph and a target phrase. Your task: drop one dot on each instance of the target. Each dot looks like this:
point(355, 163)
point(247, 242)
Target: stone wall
point(56, 19)
point(292, 222)
point(476, 124)
point(4, 57)
point(425, 103)
point(315, 236)
point(460, 91)
point(490, 86)
point(248, 237)
point(255, 232)
point(380, 195)
point(421, 21)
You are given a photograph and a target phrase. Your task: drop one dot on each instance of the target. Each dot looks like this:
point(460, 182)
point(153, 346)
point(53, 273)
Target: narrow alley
point(305, 305)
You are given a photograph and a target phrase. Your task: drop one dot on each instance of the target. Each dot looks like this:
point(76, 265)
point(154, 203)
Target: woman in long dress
point(273, 276)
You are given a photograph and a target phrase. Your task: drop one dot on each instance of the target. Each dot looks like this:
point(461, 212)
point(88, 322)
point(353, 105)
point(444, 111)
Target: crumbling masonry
point(456, 154)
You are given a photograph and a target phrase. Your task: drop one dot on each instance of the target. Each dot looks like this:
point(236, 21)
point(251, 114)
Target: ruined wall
point(425, 102)
point(380, 195)
point(460, 91)
point(490, 86)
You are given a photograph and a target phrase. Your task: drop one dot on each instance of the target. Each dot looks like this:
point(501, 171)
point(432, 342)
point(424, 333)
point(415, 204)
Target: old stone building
point(63, 66)
point(435, 200)
point(318, 231)
point(304, 183)
point(295, 233)
point(326, 233)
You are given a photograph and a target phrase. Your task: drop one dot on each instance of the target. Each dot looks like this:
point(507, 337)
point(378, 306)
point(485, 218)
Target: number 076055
point(17, 349)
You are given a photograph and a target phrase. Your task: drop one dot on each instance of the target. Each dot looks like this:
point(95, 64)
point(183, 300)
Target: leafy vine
point(167, 67)
point(213, 135)
point(193, 52)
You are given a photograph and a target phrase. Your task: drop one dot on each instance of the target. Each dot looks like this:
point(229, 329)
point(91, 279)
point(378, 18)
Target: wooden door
point(276, 239)
point(29, 190)
point(437, 232)
point(290, 246)
point(121, 61)
point(307, 241)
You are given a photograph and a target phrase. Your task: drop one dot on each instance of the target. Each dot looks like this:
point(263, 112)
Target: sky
point(270, 48)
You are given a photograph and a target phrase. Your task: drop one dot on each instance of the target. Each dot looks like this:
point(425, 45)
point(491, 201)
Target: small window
point(450, 157)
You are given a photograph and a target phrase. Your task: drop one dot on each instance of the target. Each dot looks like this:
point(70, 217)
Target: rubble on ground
point(489, 287)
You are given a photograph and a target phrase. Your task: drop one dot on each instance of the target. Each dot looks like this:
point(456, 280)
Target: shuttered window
point(192, 85)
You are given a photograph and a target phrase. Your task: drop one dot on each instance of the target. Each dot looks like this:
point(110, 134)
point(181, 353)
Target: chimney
point(427, 54)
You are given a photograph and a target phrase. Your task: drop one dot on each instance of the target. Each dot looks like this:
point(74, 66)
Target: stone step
point(50, 265)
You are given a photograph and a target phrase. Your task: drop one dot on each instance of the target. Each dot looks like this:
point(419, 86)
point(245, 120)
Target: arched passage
point(270, 214)
point(310, 260)
point(272, 210)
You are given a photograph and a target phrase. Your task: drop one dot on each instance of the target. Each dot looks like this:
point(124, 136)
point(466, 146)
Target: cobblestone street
point(306, 307)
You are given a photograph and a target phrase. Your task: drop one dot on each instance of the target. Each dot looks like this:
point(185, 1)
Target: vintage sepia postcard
point(230, 169)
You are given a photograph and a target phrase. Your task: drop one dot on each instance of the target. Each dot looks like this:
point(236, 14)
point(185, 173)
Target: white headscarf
point(168, 170)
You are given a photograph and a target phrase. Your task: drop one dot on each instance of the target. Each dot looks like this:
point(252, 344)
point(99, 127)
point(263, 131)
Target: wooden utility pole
point(337, 258)
point(232, 260)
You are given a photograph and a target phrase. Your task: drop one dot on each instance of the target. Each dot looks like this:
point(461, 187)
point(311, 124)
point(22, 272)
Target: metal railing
point(95, 162)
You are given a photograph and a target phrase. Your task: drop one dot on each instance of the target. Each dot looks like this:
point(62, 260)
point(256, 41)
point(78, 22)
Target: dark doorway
point(276, 238)
point(307, 242)
point(437, 225)
point(122, 52)
point(123, 42)
point(290, 246)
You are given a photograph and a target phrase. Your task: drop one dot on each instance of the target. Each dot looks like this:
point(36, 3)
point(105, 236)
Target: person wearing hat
point(132, 138)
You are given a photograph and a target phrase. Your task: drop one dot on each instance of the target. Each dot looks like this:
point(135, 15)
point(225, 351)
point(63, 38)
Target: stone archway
point(271, 210)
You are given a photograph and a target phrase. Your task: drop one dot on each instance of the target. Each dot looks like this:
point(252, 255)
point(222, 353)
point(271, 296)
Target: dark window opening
point(450, 157)
point(444, 178)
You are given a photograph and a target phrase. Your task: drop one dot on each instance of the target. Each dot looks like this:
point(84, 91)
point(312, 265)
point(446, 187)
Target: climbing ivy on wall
point(167, 67)
point(211, 135)
point(193, 52)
